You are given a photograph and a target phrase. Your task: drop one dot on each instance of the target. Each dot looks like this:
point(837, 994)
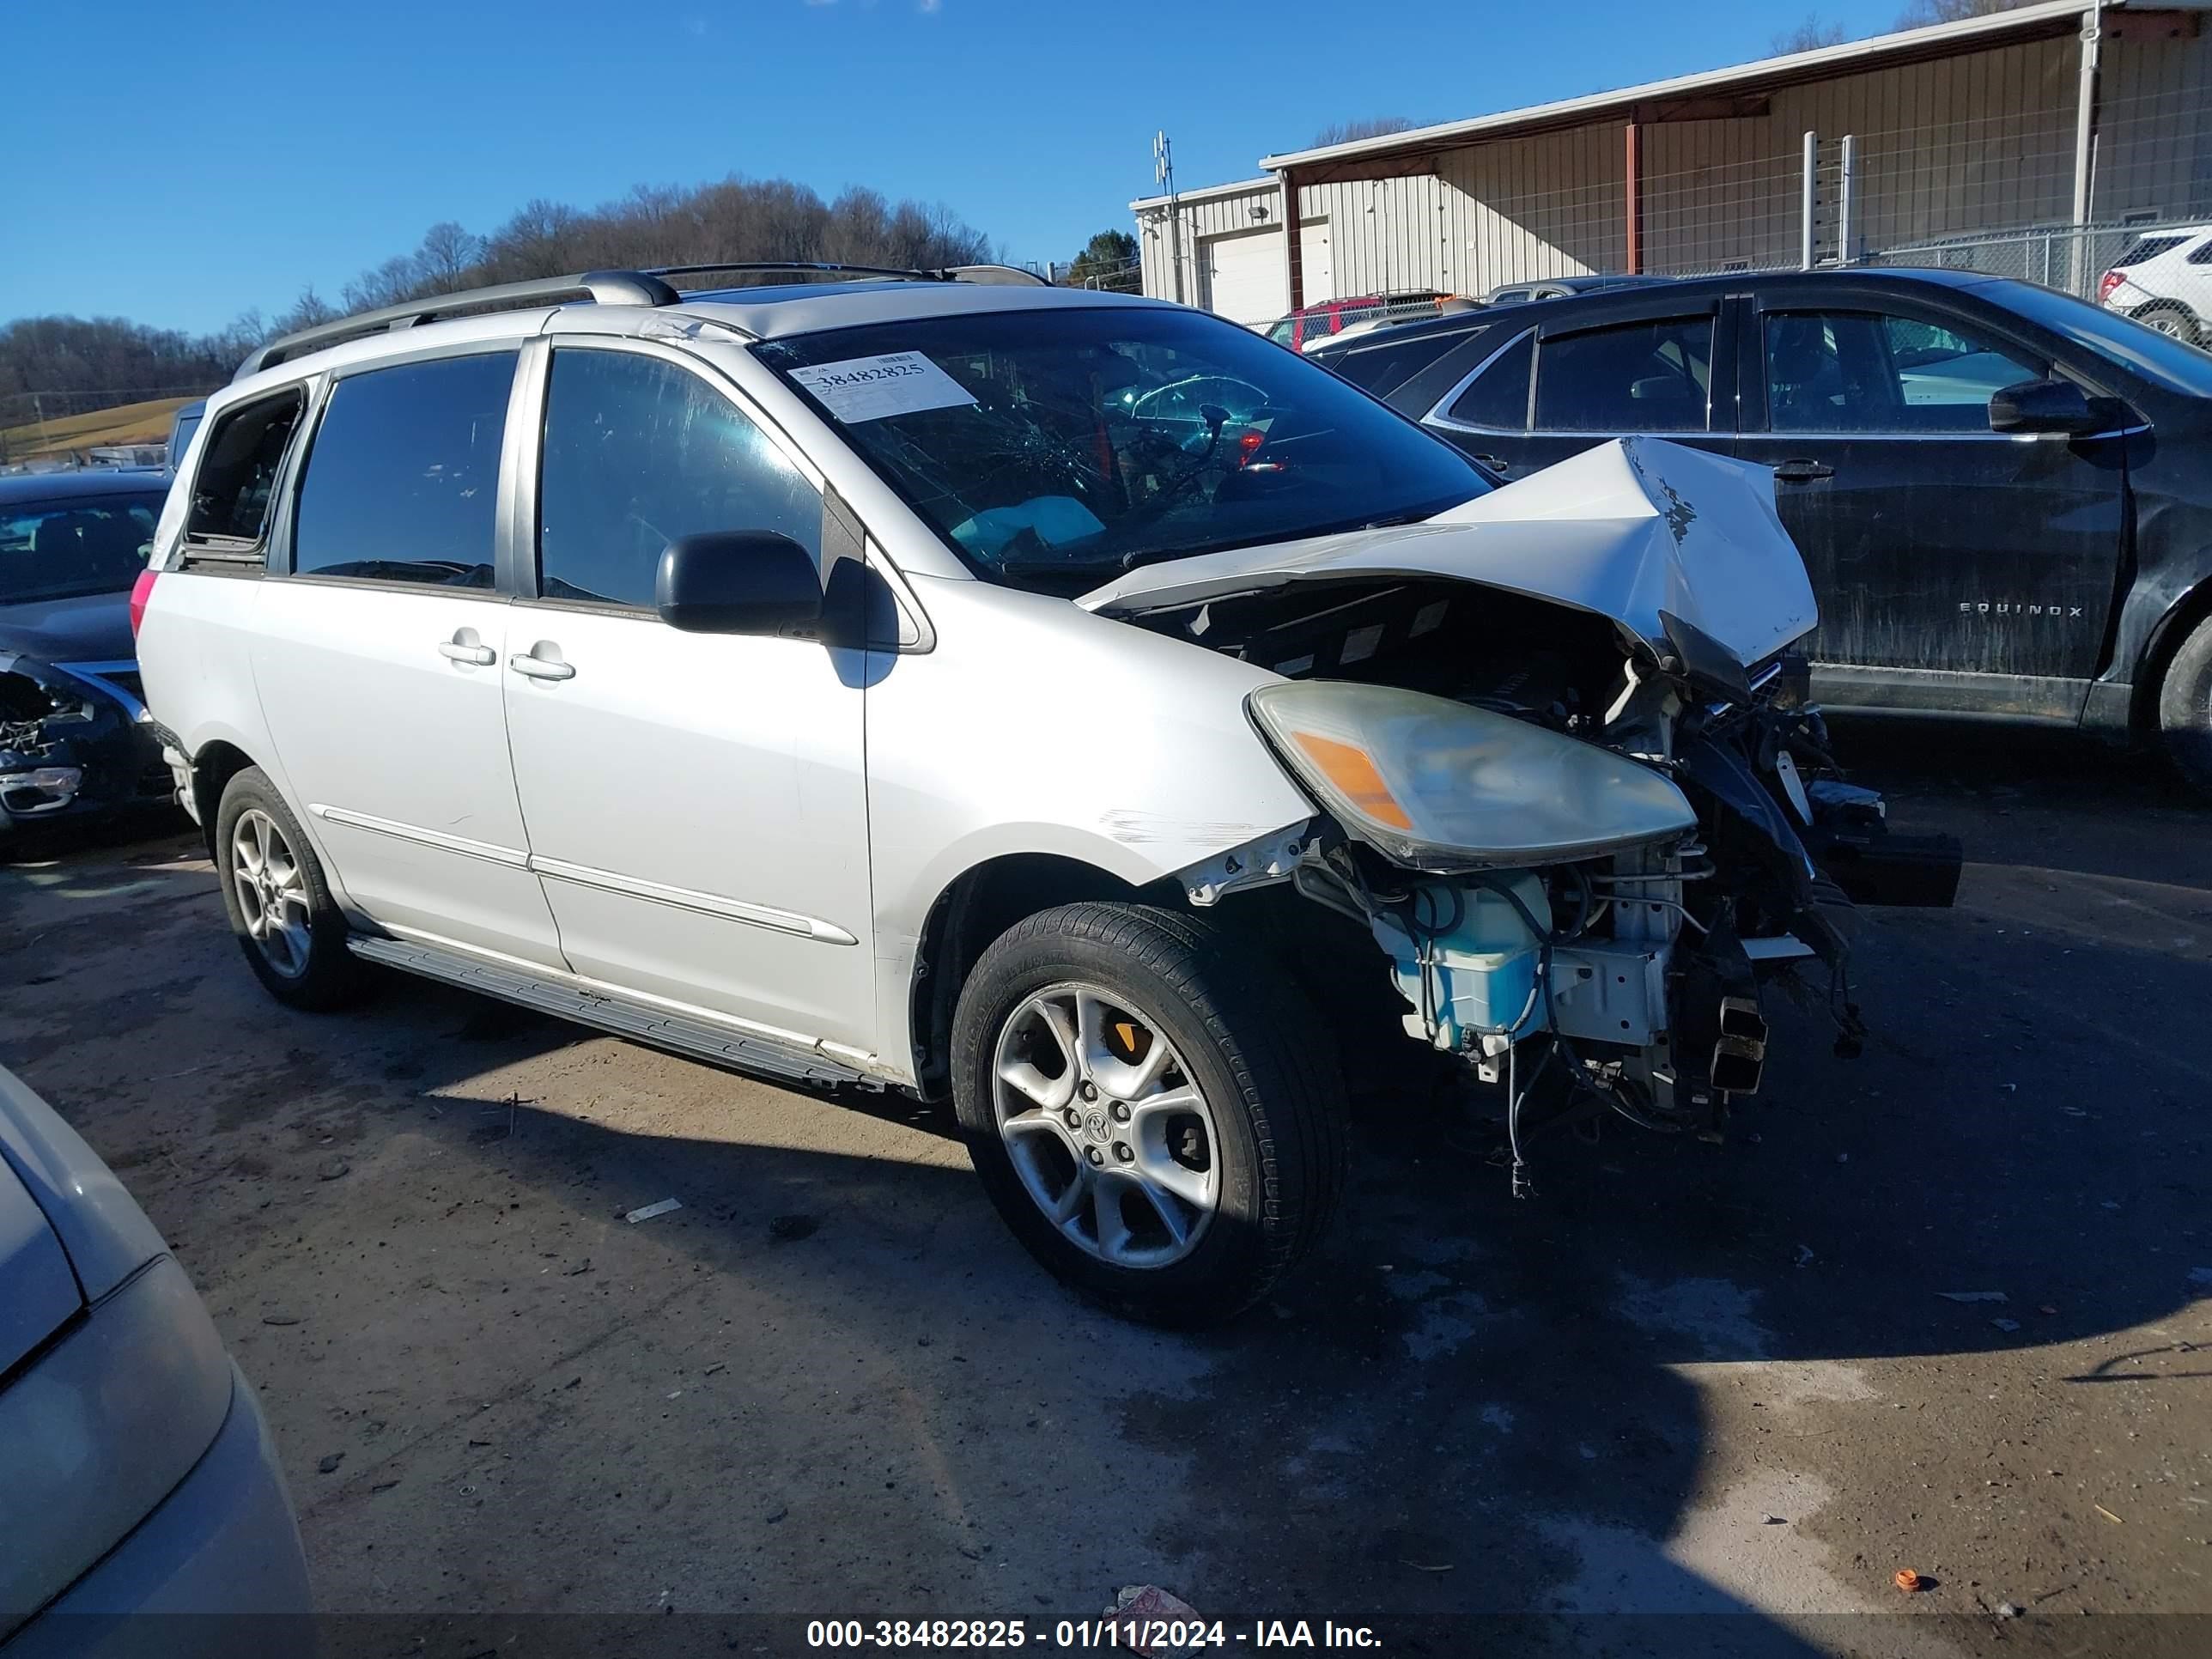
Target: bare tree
point(1921, 13)
point(448, 253)
point(397, 279)
point(1373, 126)
point(309, 309)
point(1810, 35)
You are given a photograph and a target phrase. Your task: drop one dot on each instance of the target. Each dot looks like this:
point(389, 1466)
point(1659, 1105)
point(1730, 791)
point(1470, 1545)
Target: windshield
point(180, 434)
point(69, 549)
point(2158, 358)
point(1057, 447)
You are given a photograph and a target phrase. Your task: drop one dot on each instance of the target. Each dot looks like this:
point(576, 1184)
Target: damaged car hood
point(91, 627)
point(1627, 530)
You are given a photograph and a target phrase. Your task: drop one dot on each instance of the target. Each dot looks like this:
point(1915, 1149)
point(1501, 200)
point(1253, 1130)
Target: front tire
point(280, 908)
point(2185, 709)
point(1153, 1110)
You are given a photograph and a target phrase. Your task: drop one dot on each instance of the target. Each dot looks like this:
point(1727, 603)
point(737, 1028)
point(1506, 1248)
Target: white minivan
point(1068, 703)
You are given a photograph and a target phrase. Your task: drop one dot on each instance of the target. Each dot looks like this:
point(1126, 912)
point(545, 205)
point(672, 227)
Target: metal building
point(2033, 142)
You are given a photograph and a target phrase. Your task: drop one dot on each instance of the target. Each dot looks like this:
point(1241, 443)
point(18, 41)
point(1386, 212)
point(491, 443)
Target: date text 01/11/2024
point(1128, 1635)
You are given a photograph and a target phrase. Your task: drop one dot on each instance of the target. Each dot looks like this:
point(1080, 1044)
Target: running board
point(699, 1039)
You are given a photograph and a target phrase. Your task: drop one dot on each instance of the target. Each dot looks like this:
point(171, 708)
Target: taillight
point(2106, 283)
point(141, 590)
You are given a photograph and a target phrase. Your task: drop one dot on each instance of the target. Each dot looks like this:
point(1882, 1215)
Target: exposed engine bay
point(1551, 911)
point(69, 743)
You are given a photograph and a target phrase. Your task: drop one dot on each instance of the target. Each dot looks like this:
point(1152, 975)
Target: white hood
point(1626, 529)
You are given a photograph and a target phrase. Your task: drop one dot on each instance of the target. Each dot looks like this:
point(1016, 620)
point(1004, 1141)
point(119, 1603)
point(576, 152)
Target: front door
point(697, 802)
point(376, 657)
point(1956, 567)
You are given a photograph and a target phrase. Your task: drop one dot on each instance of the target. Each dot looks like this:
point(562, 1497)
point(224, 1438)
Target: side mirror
point(2044, 406)
point(739, 581)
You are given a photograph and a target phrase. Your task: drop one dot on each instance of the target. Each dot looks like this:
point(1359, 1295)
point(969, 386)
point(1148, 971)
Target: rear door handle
point(1803, 472)
point(466, 646)
point(543, 662)
point(1497, 463)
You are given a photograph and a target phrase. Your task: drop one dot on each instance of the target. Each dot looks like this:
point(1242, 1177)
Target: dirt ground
point(1684, 1380)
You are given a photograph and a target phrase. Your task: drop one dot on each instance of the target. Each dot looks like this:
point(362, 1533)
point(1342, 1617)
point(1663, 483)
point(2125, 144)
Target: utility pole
point(1163, 175)
point(2085, 138)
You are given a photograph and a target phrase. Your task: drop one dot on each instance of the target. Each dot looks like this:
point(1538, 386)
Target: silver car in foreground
point(1067, 703)
point(141, 1502)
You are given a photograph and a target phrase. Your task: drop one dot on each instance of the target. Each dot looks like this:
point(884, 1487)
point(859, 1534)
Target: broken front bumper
point(74, 741)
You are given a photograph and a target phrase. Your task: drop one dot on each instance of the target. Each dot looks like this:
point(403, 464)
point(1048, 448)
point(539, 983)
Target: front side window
point(639, 453)
point(1863, 371)
point(402, 482)
point(238, 470)
point(1058, 447)
point(1637, 377)
point(71, 550)
point(1497, 399)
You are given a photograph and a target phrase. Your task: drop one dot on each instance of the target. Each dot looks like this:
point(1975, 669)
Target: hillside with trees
point(52, 367)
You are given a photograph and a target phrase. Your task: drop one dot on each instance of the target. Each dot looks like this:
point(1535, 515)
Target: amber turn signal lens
point(1354, 776)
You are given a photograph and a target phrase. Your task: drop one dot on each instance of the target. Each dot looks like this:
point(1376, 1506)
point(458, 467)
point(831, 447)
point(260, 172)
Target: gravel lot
point(1684, 1379)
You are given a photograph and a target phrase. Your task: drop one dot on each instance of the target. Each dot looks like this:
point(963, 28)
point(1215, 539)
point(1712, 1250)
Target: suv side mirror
point(739, 581)
point(2044, 406)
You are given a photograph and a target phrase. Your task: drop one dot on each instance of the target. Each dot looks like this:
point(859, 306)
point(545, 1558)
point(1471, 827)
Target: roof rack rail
point(627, 288)
point(1007, 275)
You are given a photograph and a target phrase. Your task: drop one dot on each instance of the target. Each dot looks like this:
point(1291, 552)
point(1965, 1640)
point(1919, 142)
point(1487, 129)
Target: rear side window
point(2147, 248)
point(229, 515)
point(1497, 397)
point(2202, 253)
point(1638, 377)
point(402, 482)
point(640, 453)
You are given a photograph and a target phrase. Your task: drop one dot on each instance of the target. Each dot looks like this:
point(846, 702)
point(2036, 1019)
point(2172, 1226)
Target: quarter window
point(1860, 372)
point(1497, 397)
point(402, 482)
point(640, 453)
point(238, 470)
point(1637, 377)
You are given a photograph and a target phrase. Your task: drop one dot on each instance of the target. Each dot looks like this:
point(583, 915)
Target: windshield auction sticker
point(874, 388)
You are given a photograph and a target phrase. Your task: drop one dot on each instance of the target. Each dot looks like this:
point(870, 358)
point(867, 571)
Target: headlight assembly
point(1436, 785)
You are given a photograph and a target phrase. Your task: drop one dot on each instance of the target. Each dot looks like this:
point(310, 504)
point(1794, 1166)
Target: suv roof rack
point(1003, 275)
point(627, 288)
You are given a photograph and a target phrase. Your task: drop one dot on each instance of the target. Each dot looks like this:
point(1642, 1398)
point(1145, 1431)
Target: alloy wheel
point(272, 893)
point(1110, 1135)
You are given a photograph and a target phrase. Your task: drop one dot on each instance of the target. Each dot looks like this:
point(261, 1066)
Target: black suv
point(2004, 494)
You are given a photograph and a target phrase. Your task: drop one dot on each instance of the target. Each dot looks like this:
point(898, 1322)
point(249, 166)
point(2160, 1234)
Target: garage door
point(1243, 274)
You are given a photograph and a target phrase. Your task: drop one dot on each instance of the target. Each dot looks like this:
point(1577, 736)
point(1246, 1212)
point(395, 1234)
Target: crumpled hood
point(92, 628)
point(1626, 529)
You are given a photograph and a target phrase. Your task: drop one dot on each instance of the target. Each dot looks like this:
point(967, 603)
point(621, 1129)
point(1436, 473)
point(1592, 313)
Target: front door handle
point(1803, 472)
point(466, 646)
point(1497, 463)
point(543, 662)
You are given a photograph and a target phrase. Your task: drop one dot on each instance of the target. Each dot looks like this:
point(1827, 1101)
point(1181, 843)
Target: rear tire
point(1160, 1008)
point(2171, 318)
point(2185, 709)
point(280, 907)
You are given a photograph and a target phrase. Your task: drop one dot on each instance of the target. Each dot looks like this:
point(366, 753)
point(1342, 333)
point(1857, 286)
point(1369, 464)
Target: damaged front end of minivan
point(1566, 776)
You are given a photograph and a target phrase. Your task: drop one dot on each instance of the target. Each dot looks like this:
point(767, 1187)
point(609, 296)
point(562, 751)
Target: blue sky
point(184, 162)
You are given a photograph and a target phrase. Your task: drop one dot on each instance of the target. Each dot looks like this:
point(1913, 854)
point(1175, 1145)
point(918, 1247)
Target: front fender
point(1038, 727)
